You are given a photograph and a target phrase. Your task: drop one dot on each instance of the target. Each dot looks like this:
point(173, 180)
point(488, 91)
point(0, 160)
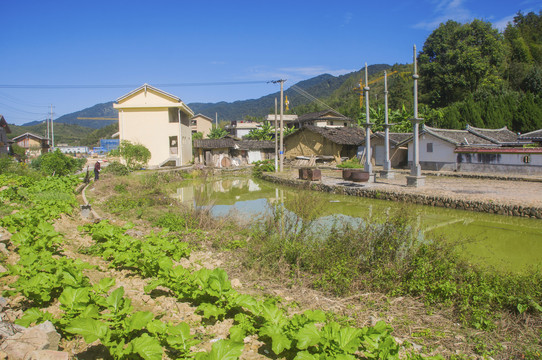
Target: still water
point(504, 242)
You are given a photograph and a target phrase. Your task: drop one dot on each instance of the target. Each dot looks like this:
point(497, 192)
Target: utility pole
point(276, 140)
point(216, 120)
point(52, 128)
point(281, 147)
point(415, 179)
point(368, 165)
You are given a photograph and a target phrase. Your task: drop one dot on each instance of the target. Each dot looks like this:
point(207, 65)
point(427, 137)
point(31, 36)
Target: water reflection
point(502, 241)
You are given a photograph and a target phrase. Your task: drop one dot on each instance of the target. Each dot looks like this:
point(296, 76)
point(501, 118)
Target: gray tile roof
point(339, 135)
point(497, 136)
point(214, 143)
point(537, 134)
point(321, 115)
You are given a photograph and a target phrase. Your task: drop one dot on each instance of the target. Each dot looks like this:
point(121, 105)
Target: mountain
point(98, 110)
point(321, 86)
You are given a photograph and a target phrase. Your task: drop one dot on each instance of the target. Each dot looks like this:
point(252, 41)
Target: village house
point(4, 141)
point(397, 154)
point(35, 145)
point(230, 151)
point(241, 128)
point(202, 124)
point(475, 150)
point(329, 143)
point(287, 119)
point(326, 118)
point(159, 121)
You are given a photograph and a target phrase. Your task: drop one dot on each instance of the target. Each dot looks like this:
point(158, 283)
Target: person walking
point(97, 170)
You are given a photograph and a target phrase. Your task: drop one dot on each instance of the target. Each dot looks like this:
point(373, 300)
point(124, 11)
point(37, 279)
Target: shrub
point(263, 165)
point(351, 164)
point(116, 168)
point(135, 155)
point(56, 163)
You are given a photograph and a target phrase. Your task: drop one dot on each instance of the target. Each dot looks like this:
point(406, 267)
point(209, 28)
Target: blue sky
point(133, 42)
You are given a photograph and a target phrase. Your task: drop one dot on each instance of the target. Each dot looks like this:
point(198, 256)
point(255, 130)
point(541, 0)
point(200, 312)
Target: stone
point(236, 284)
point(40, 337)
point(4, 249)
point(3, 269)
point(47, 355)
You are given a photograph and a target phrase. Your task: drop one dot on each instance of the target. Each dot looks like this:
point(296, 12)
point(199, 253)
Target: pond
point(505, 242)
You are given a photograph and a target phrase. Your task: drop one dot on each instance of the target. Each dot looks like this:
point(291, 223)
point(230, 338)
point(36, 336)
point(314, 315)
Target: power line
point(23, 111)
point(118, 86)
point(21, 102)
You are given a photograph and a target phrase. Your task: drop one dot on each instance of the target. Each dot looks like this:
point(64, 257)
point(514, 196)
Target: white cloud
point(501, 24)
point(446, 10)
point(347, 18)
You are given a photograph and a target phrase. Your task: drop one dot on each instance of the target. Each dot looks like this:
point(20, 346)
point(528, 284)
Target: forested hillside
point(469, 74)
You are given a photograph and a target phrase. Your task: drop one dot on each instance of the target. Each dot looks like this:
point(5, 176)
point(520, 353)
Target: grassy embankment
point(379, 257)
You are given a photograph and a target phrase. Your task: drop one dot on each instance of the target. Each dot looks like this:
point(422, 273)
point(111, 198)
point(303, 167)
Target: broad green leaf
point(180, 337)
point(279, 341)
point(349, 339)
point(89, 329)
point(33, 315)
point(75, 298)
point(115, 299)
point(223, 350)
point(104, 285)
point(247, 301)
point(138, 320)
point(165, 263)
point(304, 355)
point(210, 310)
point(237, 333)
point(315, 315)
point(309, 335)
point(156, 327)
point(147, 347)
point(91, 311)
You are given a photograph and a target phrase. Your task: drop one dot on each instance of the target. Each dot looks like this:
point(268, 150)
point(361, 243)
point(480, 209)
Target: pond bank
point(489, 195)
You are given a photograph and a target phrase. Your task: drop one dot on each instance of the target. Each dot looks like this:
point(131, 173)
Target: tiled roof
point(27, 135)
point(339, 135)
point(502, 135)
point(537, 134)
point(254, 144)
point(321, 115)
point(214, 143)
point(457, 137)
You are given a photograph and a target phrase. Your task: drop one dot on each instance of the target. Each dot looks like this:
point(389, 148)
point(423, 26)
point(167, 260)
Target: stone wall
point(460, 204)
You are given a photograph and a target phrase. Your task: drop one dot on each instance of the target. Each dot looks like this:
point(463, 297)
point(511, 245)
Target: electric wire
point(119, 86)
point(302, 92)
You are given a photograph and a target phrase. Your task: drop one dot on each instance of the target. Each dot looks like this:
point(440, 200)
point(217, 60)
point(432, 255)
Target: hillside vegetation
point(469, 74)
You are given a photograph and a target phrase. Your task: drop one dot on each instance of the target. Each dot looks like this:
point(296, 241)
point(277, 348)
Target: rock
point(3, 355)
point(46, 355)
point(40, 337)
point(236, 284)
point(4, 249)
point(8, 329)
point(3, 269)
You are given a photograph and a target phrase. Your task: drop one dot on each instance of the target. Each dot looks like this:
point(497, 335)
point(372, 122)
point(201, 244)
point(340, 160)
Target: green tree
point(266, 132)
point(56, 163)
point(459, 59)
point(217, 133)
point(198, 135)
point(135, 155)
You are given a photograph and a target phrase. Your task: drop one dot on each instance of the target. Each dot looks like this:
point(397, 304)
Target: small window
point(527, 159)
point(429, 147)
point(173, 115)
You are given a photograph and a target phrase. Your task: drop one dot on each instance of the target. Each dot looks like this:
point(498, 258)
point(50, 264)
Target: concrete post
point(368, 165)
point(415, 179)
point(387, 173)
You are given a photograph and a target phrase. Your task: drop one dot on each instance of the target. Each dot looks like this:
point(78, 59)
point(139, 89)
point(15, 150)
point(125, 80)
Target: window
point(173, 115)
point(526, 159)
point(429, 147)
point(173, 145)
